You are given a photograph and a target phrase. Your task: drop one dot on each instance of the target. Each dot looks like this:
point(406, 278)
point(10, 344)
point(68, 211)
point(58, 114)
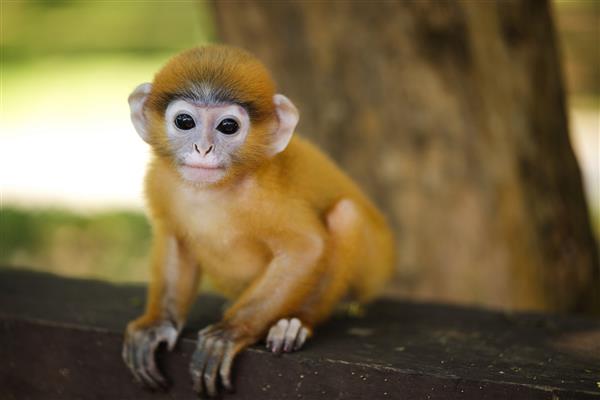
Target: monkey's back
point(310, 174)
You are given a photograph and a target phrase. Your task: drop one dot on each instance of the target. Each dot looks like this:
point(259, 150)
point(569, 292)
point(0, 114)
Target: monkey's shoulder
point(305, 171)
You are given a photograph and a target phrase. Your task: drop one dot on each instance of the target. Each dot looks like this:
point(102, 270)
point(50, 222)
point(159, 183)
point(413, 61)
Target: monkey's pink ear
point(136, 100)
point(287, 116)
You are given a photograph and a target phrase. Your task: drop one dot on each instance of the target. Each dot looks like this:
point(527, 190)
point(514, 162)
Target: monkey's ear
point(136, 100)
point(287, 116)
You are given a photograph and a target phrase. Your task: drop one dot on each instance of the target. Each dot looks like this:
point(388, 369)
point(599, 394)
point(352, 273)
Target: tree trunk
point(451, 115)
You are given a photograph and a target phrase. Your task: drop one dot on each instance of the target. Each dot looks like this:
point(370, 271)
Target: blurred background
point(71, 164)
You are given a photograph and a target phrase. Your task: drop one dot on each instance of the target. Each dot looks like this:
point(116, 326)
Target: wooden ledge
point(61, 339)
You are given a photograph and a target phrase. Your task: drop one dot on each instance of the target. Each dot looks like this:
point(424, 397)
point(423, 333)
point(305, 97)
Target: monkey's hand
point(217, 347)
point(139, 348)
point(287, 335)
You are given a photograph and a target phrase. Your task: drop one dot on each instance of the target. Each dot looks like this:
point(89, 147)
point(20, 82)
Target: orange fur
point(284, 236)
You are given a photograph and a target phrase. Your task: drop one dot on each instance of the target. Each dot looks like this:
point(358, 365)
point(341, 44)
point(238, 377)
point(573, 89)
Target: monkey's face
point(207, 142)
point(212, 112)
point(204, 139)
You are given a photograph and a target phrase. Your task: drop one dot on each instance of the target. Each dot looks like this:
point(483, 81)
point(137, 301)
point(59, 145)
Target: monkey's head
point(212, 112)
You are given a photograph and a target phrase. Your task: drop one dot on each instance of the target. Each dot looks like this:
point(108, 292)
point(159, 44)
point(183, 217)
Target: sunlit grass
point(108, 245)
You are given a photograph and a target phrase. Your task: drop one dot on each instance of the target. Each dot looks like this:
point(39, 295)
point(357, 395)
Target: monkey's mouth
point(204, 167)
point(202, 173)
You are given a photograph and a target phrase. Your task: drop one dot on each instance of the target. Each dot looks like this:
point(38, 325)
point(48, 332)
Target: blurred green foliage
point(107, 245)
point(33, 29)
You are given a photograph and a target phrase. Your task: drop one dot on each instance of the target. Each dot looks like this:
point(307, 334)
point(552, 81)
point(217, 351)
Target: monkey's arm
point(275, 294)
point(172, 289)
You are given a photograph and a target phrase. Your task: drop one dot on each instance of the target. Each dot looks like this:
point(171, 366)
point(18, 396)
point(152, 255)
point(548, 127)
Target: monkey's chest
point(233, 265)
point(228, 254)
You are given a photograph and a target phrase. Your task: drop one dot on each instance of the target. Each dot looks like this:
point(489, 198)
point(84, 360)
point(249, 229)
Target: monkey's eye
point(184, 122)
point(228, 126)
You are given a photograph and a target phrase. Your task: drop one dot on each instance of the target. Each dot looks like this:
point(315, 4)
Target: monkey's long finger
point(145, 379)
point(196, 372)
point(196, 379)
point(126, 354)
point(269, 339)
point(301, 338)
point(129, 357)
point(196, 363)
point(278, 335)
point(141, 355)
point(212, 367)
point(199, 363)
point(150, 367)
point(226, 364)
point(125, 351)
point(291, 334)
point(130, 362)
point(270, 335)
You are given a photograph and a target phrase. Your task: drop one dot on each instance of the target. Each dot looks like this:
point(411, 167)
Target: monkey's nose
point(203, 152)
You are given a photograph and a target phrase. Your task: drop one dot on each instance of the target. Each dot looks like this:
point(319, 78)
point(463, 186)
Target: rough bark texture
point(452, 116)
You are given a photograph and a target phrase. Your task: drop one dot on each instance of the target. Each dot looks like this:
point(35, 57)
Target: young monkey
point(233, 196)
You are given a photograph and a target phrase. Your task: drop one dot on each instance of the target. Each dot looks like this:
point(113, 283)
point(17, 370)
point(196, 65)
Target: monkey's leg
point(281, 288)
point(343, 225)
point(172, 289)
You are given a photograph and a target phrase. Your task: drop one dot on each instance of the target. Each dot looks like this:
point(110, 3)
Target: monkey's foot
point(139, 348)
point(213, 358)
point(287, 335)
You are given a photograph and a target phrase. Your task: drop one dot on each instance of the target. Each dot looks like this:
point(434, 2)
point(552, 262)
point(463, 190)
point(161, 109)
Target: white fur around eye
point(233, 117)
point(180, 107)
